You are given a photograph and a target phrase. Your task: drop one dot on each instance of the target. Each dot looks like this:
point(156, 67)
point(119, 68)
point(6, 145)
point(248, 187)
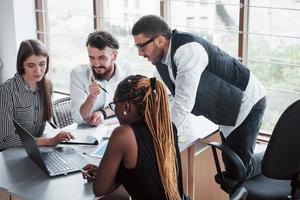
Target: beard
point(106, 75)
point(159, 56)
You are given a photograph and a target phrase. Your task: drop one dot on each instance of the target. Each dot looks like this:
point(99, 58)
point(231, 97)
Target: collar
point(167, 61)
point(22, 85)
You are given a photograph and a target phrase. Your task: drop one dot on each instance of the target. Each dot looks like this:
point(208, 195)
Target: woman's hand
point(89, 172)
point(61, 136)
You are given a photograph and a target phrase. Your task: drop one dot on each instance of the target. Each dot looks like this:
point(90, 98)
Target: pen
point(102, 88)
point(94, 81)
point(84, 172)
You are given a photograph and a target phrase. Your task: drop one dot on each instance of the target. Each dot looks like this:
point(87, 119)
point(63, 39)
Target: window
point(119, 21)
point(263, 34)
point(272, 36)
point(67, 25)
point(125, 3)
point(274, 53)
point(215, 21)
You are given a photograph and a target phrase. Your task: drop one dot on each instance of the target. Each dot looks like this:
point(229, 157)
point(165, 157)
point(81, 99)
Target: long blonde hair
point(150, 98)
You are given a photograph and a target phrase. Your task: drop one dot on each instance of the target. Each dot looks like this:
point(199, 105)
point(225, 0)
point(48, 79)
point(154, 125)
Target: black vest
point(220, 91)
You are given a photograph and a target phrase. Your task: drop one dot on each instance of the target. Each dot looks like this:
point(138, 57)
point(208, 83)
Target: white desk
point(20, 177)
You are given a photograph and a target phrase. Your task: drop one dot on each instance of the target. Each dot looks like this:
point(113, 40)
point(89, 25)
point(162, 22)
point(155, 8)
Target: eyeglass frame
point(141, 46)
point(113, 108)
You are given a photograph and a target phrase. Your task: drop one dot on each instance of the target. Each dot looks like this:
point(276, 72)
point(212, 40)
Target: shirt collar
point(119, 73)
point(167, 61)
point(22, 85)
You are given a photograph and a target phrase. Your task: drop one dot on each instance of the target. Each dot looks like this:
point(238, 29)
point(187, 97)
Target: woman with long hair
point(142, 153)
point(27, 98)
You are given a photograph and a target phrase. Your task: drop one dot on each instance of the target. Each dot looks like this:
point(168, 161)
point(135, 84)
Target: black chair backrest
point(282, 156)
point(62, 114)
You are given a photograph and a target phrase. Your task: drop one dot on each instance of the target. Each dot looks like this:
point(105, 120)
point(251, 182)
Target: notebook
point(54, 161)
point(86, 140)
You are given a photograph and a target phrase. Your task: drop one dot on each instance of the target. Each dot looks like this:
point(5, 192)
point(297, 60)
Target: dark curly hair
point(102, 39)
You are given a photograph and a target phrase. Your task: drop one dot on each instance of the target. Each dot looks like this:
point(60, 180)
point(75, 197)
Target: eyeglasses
point(112, 105)
point(142, 45)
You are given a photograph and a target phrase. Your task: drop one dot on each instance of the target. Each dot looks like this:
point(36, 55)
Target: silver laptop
point(54, 161)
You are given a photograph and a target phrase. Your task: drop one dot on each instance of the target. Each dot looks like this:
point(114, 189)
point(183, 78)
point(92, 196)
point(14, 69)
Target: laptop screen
point(30, 145)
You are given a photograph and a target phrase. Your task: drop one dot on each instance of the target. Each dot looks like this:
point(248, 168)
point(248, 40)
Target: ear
point(127, 107)
point(161, 41)
point(114, 54)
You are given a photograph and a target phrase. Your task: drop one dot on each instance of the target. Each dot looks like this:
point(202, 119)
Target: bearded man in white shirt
point(205, 80)
point(92, 86)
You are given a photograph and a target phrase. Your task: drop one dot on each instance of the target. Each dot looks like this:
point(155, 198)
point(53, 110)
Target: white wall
point(17, 23)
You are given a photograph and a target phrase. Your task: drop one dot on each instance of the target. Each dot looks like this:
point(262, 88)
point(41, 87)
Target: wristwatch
point(103, 113)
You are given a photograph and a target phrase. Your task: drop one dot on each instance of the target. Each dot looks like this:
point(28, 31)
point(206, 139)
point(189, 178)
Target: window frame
point(243, 25)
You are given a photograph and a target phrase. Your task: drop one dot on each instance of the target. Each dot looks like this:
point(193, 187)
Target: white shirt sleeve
point(78, 95)
point(191, 59)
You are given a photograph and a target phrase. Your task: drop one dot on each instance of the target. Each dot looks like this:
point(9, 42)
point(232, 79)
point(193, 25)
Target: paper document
point(99, 152)
point(182, 138)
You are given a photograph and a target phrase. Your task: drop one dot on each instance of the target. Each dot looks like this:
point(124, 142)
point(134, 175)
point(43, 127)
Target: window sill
point(263, 138)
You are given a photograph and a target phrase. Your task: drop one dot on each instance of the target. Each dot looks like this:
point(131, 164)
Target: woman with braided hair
point(142, 153)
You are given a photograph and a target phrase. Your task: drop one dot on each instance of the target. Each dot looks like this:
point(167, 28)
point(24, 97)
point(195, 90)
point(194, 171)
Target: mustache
point(98, 67)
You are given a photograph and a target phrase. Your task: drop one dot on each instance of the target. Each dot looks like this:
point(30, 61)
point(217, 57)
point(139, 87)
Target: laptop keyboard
point(55, 162)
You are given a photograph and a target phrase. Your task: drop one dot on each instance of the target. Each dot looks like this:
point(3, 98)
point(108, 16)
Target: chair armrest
point(240, 194)
point(227, 183)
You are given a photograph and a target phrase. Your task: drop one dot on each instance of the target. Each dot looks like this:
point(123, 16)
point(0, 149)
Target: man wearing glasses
point(92, 86)
point(206, 81)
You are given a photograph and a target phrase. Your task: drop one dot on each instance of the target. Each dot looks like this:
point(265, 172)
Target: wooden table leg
point(191, 172)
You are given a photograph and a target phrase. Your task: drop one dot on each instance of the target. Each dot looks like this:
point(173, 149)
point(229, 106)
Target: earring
point(124, 112)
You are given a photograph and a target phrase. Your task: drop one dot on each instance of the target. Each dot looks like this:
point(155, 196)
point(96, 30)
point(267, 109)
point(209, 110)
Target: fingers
point(93, 79)
point(88, 167)
point(61, 136)
point(94, 88)
point(96, 119)
point(85, 175)
point(95, 122)
point(89, 172)
point(70, 136)
point(64, 136)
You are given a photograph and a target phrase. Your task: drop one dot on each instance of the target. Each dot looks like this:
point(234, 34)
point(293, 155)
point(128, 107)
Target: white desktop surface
point(23, 178)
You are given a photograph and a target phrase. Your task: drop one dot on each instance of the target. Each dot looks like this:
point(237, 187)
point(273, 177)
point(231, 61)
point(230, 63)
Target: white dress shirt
point(80, 79)
point(191, 59)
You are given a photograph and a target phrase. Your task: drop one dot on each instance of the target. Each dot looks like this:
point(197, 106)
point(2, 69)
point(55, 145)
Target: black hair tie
point(153, 84)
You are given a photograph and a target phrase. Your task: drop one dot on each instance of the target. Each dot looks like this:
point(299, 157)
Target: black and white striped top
point(25, 106)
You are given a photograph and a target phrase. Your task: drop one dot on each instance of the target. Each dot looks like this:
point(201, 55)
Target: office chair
point(259, 187)
point(62, 115)
point(282, 156)
point(280, 166)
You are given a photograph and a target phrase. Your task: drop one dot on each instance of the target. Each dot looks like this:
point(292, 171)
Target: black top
point(143, 182)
